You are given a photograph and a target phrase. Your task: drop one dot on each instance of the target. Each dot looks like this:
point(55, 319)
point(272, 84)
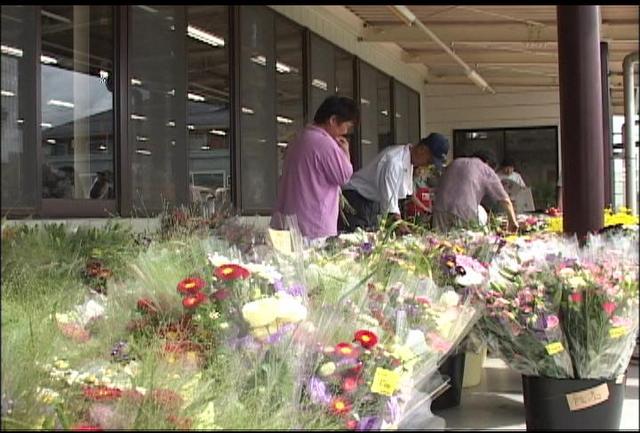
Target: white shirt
point(386, 179)
point(514, 177)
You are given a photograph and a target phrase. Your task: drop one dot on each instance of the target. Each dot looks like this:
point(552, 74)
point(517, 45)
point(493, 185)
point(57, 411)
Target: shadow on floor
point(484, 410)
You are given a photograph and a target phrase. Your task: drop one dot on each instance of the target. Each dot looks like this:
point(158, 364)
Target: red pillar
point(581, 118)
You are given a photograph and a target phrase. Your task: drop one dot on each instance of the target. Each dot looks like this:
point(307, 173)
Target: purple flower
point(293, 290)
point(246, 342)
point(279, 285)
point(318, 391)
point(277, 336)
point(393, 410)
point(368, 423)
point(366, 247)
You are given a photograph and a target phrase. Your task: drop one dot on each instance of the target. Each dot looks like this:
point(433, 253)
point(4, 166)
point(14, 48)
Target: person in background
point(462, 187)
point(507, 172)
point(376, 188)
point(416, 206)
point(316, 165)
point(102, 187)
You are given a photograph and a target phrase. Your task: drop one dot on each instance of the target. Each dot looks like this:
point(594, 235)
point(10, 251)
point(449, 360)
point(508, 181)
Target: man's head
point(508, 166)
point(432, 149)
point(486, 156)
point(337, 115)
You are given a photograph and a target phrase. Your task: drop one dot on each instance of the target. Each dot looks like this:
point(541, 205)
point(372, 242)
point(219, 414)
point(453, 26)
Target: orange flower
point(75, 332)
point(101, 393)
point(191, 302)
point(231, 272)
point(367, 339)
point(340, 406)
point(347, 350)
point(191, 285)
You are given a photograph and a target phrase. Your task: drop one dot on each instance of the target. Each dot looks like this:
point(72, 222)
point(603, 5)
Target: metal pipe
point(408, 17)
point(630, 153)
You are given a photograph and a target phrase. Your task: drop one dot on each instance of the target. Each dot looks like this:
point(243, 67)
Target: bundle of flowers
point(622, 218)
point(559, 311)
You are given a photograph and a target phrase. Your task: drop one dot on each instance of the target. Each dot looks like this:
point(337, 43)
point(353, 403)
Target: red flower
point(609, 307)
point(367, 339)
point(347, 350)
point(357, 369)
point(576, 297)
point(221, 294)
point(85, 427)
point(191, 285)
point(102, 393)
point(166, 398)
point(231, 272)
point(193, 301)
point(147, 306)
point(350, 384)
point(423, 300)
point(352, 424)
point(340, 406)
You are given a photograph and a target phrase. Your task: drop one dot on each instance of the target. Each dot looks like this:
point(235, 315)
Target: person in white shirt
point(376, 188)
point(507, 172)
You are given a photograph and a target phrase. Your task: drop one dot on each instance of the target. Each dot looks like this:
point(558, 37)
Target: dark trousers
point(359, 212)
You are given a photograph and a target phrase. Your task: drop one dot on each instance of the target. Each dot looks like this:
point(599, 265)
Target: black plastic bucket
point(547, 406)
point(454, 368)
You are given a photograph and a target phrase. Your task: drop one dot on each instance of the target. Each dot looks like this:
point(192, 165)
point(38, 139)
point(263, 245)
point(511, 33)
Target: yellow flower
point(327, 369)
point(576, 282)
point(290, 310)
point(260, 312)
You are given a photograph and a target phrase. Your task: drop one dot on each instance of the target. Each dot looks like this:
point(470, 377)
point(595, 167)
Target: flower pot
point(573, 404)
point(454, 368)
point(473, 364)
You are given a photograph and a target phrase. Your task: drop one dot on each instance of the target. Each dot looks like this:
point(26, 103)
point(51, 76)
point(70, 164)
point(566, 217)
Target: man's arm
point(511, 215)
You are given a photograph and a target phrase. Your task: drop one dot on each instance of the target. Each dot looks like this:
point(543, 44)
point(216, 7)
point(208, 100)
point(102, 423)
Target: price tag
point(617, 332)
point(587, 398)
point(385, 382)
point(553, 348)
point(281, 240)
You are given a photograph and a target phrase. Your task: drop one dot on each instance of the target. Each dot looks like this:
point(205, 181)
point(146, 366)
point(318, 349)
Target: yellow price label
point(553, 348)
point(617, 332)
point(281, 240)
point(385, 382)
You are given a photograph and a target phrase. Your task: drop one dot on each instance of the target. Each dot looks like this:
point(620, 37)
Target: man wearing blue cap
point(376, 188)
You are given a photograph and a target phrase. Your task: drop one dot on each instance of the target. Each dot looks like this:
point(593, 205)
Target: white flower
point(47, 395)
point(89, 310)
point(289, 309)
point(449, 298)
point(470, 278)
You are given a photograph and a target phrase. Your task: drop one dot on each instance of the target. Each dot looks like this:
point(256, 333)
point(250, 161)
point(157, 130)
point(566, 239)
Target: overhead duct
point(410, 19)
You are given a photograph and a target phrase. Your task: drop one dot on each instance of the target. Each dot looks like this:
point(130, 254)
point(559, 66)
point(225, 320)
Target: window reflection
point(401, 105)
point(77, 102)
point(208, 106)
point(384, 111)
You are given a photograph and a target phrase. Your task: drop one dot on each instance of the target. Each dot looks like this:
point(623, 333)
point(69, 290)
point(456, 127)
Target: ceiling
point(509, 46)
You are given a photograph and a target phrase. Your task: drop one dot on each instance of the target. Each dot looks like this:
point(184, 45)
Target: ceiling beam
point(481, 32)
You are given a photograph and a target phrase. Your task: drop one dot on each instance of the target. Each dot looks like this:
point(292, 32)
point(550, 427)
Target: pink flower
point(552, 321)
point(576, 297)
point(438, 343)
point(621, 321)
point(609, 307)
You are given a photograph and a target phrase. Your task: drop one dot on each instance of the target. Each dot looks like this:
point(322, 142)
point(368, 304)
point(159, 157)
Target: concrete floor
point(497, 402)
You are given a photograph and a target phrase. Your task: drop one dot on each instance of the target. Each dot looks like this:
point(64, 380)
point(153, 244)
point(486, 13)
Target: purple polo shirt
point(314, 170)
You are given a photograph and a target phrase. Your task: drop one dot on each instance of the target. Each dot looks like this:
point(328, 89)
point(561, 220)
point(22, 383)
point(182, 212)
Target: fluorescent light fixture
point(398, 115)
point(282, 143)
point(141, 138)
point(246, 110)
point(365, 101)
point(195, 97)
point(48, 14)
point(283, 68)
point(260, 60)
point(191, 127)
point(59, 103)
point(319, 84)
point(148, 9)
point(205, 37)
point(285, 120)
point(171, 123)
point(136, 82)
point(172, 92)
point(365, 141)
point(20, 121)
point(404, 14)
point(217, 132)
point(143, 152)
point(46, 125)
point(384, 112)
point(7, 93)
point(51, 141)
point(11, 51)
point(102, 147)
point(205, 147)
point(479, 81)
point(48, 60)
point(104, 74)
point(138, 117)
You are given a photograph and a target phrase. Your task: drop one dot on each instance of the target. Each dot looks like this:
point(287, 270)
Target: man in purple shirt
point(316, 165)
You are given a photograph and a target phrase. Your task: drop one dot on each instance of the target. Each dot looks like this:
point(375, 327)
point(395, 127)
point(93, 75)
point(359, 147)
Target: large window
point(208, 104)
point(385, 134)
point(19, 162)
point(401, 108)
point(77, 102)
point(322, 75)
point(369, 113)
point(157, 107)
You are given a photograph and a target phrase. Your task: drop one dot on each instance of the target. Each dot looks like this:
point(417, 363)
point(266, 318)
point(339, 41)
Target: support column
point(607, 150)
point(581, 118)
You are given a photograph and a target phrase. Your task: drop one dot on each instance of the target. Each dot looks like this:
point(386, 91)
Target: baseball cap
point(438, 144)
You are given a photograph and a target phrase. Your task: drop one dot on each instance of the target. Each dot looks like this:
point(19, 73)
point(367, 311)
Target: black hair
point(508, 162)
point(485, 156)
point(345, 110)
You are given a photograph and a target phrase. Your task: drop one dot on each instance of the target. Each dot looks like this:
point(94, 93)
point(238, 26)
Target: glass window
point(289, 84)
point(414, 116)
point(385, 137)
point(157, 106)
point(369, 113)
point(77, 102)
point(401, 106)
point(258, 158)
point(208, 103)
point(19, 183)
point(322, 74)
point(467, 142)
point(344, 73)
